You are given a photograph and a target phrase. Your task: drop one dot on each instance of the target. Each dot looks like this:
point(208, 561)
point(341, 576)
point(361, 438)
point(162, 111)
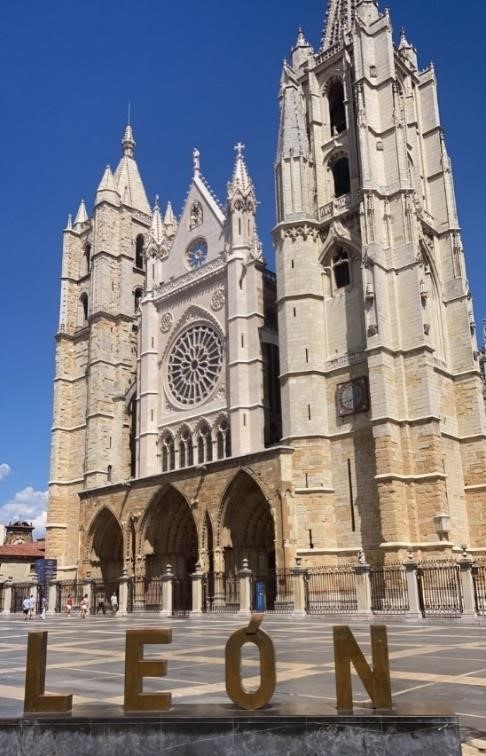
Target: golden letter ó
point(376, 681)
point(35, 700)
point(136, 668)
point(234, 687)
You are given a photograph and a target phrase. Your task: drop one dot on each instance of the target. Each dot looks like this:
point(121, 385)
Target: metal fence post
point(467, 585)
point(167, 579)
point(244, 576)
point(299, 575)
point(122, 594)
point(414, 612)
point(7, 596)
point(197, 591)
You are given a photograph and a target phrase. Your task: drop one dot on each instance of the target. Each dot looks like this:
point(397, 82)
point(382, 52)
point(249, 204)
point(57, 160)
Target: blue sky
point(202, 74)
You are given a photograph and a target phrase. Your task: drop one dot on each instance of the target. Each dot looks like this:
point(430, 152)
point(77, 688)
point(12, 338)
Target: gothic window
point(337, 110)
point(139, 252)
point(137, 295)
point(341, 269)
point(204, 444)
point(195, 364)
point(340, 173)
point(223, 439)
point(168, 453)
point(83, 306)
point(108, 473)
point(186, 458)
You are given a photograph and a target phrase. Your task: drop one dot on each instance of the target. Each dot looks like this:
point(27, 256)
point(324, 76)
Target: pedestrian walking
point(100, 606)
point(26, 607)
point(43, 608)
point(69, 604)
point(114, 603)
point(84, 606)
point(32, 606)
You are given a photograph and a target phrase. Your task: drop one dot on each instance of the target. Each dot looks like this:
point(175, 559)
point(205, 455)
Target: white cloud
point(4, 470)
point(30, 505)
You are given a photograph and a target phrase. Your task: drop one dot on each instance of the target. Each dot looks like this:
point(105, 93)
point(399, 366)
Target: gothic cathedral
point(207, 411)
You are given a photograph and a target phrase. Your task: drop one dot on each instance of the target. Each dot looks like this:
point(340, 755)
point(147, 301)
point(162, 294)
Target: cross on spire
point(239, 149)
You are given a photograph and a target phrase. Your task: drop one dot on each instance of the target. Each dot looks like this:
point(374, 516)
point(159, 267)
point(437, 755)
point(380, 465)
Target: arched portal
point(170, 535)
point(247, 528)
point(106, 547)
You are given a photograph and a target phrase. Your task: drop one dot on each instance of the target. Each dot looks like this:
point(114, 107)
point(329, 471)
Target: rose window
point(195, 363)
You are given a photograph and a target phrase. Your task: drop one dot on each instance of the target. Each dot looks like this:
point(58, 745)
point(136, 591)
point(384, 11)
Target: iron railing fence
point(389, 590)
point(439, 584)
point(331, 590)
point(479, 578)
point(221, 593)
point(66, 588)
point(182, 595)
point(273, 591)
point(2, 597)
point(144, 594)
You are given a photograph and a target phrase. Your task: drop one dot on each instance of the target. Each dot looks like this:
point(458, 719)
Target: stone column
point(299, 575)
point(197, 591)
point(363, 590)
point(123, 594)
point(244, 576)
point(7, 596)
point(467, 586)
point(167, 579)
point(414, 611)
point(51, 598)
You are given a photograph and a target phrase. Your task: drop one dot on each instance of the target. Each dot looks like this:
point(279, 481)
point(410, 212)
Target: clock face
point(352, 397)
point(197, 253)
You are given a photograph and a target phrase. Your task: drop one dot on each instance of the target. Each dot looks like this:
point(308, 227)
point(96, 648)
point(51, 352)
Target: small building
point(19, 552)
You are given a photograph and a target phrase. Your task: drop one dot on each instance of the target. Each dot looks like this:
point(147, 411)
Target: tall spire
point(127, 177)
point(170, 222)
point(339, 20)
point(293, 139)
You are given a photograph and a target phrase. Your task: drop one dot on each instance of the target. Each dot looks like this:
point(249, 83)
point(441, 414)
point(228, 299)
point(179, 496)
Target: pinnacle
point(107, 181)
point(156, 228)
point(241, 178)
point(169, 217)
point(339, 20)
point(69, 224)
point(81, 215)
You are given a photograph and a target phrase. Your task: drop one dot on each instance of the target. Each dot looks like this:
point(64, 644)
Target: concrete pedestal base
point(222, 730)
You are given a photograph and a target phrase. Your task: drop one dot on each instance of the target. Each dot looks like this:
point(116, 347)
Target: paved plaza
point(443, 663)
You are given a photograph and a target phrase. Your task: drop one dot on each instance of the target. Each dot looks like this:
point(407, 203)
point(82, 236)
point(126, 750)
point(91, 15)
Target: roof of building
point(26, 550)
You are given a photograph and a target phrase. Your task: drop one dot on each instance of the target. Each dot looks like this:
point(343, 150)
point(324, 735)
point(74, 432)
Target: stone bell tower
point(102, 279)
point(380, 379)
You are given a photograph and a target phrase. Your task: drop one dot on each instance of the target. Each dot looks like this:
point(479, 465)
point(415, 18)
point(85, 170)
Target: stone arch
point(105, 545)
point(169, 534)
point(246, 527)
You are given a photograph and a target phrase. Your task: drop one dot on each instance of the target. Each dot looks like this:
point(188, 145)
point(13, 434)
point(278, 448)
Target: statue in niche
point(196, 217)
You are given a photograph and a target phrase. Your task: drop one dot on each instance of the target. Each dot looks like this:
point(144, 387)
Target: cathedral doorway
point(170, 536)
point(248, 529)
point(106, 547)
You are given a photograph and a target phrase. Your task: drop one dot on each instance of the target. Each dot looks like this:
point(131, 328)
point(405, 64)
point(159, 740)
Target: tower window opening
point(341, 269)
point(108, 473)
point(337, 110)
point(168, 453)
point(86, 262)
point(137, 296)
point(83, 300)
point(342, 180)
point(139, 252)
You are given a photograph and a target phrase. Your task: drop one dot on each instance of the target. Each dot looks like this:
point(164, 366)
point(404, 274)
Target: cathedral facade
point(207, 410)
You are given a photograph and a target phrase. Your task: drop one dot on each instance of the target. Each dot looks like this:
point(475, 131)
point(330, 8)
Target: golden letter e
point(234, 688)
point(136, 668)
point(35, 700)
